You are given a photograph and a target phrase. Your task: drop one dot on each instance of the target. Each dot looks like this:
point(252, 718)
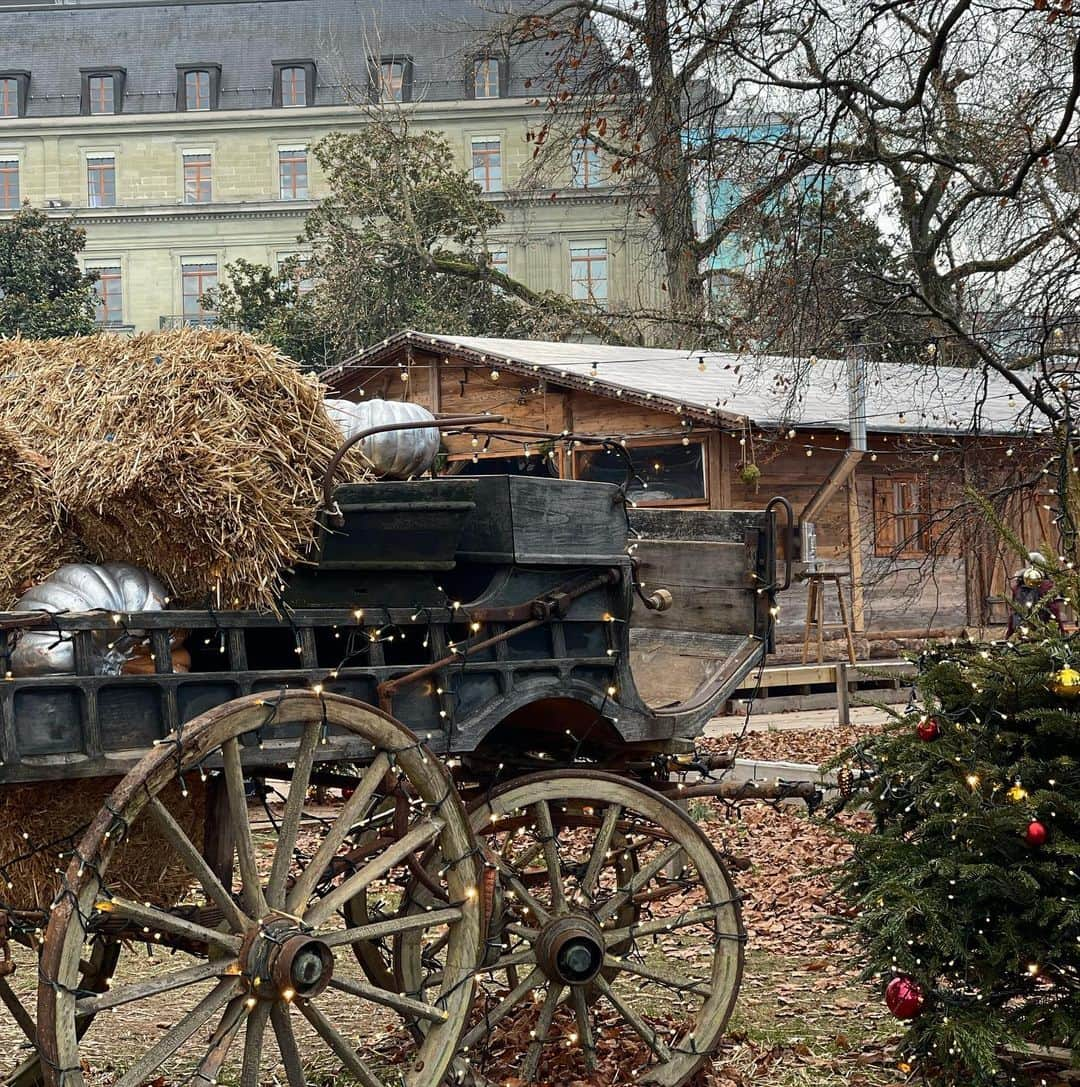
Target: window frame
point(581, 151)
point(899, 533)
point(7, 161)
point(213, 72)
point(199, 178)
point(99, 157)
point(375, 79)
point(501, 68)
point(485, 187)
point(21, 80)
point(278, 95)
point(119, 79)
point(660, 440)
point(193, 263)
point(103, 264)
point(282, 152)
point(591, 244)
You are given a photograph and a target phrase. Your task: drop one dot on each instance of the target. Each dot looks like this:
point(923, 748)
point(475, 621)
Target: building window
point(198, 177)
point(9, 96)
point(298, 265)
point(103, 90)
point(101, 181)
point(109, 295)
point(197, 87)
point(585, 165)
point(499, 259)
point(487, 163)
point(293, 87)
point(292, 173)
point(9, 184)
point(670, 473)
point(901, 516)
point(486, 78)
point(294, 83)
point(589, 272)
point(391, 81)
point(197, 276)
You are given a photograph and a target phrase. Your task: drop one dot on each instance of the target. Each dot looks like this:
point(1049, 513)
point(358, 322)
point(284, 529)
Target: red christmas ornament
point(928, 729)
point(1036, 832)
point(904, 997)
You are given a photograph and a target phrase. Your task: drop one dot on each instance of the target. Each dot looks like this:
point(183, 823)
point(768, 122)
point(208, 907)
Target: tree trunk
point(674, 208)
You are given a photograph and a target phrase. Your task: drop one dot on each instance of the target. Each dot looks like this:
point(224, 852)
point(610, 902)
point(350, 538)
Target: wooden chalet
point(719, 431)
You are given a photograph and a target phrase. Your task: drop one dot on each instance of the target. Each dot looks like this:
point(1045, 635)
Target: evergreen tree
point(43, 291)
point(967, 892)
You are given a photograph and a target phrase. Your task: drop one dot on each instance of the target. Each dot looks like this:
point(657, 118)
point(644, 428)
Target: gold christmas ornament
point(1065, 683)
point(1017, 793)
point(1032, 577)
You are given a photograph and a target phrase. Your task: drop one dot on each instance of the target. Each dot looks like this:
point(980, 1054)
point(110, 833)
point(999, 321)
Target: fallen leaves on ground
point(813, 745)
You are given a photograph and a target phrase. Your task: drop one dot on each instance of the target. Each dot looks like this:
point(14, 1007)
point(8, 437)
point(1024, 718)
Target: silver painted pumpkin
point(116, 587)
point(395, 454)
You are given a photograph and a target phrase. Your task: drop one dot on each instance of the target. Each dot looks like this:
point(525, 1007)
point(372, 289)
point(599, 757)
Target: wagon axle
point(279, 961)
point(570, 949)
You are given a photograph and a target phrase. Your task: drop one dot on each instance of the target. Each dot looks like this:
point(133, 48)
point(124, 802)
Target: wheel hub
point(283, 963)
point(570, 950)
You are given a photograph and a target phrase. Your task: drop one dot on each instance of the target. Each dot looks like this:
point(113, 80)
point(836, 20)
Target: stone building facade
point(181, 136)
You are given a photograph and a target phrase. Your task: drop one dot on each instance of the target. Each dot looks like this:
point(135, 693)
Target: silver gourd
point(394, 454)
point(115, 587)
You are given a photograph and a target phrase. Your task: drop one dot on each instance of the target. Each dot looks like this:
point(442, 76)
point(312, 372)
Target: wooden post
point(435, 377)
point(854, 526)
point(719, 470)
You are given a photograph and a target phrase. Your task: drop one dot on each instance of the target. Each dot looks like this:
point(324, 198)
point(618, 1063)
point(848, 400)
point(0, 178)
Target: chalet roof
point(765, 390)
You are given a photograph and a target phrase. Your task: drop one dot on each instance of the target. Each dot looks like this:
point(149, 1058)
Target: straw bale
point(195, 454)
point(40, 825)
point(33, 542)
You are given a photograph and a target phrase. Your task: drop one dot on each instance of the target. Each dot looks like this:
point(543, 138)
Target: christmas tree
point(967, 891)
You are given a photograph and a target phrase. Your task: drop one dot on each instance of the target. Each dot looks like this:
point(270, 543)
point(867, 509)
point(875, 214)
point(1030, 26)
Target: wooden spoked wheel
point(613, 922)
point(97, 967)
point(271, 963)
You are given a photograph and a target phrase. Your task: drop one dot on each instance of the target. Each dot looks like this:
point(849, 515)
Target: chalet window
point(101, 181)
point(487, 163)
point(901, 516)
point(294, 83)
point(198, 177)
point(586, 166)
point(14, 91)
point(293, 173)
point(391, 79)
point(102, 90)
point(108, 295)
point(671, 474)
point(197, 87)
point(9, 184)
point(589, 272)
point(487, 78)
point(197, 276)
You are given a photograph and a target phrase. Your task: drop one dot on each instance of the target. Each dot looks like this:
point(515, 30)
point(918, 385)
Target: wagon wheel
point(95, 971)
point(617, 919)
point(276, 953)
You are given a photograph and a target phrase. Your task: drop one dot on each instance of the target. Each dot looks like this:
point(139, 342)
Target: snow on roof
point(765, 390)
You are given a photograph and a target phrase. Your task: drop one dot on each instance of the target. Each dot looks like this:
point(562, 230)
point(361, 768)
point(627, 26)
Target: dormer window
point(102, 90)
point(294, 83)
point(14, 91)
point(197, 87)
point(391, 79)
point(487, 81)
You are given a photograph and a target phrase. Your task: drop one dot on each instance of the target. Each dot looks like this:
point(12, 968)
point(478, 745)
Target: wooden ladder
point(815, 616)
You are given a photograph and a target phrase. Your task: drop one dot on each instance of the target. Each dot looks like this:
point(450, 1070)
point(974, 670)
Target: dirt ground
point(802, 1018)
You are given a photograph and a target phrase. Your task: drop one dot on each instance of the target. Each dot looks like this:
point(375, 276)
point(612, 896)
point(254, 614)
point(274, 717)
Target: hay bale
point(40, 825)
point(33, 541)
point(195, 454)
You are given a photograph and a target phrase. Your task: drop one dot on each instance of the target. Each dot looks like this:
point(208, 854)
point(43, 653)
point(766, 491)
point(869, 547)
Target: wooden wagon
point(423, 821)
